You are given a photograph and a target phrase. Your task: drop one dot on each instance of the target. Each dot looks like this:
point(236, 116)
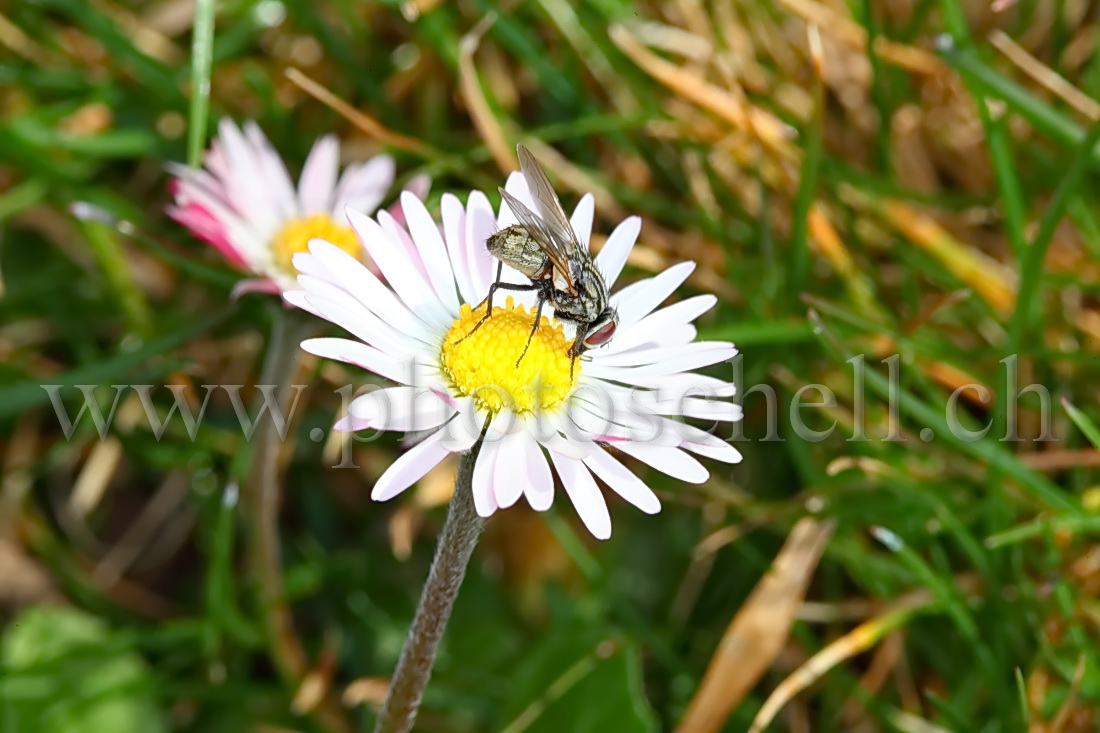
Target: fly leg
point(497, 285)
point(576, 348)
point(534, 329)
point(573, 354)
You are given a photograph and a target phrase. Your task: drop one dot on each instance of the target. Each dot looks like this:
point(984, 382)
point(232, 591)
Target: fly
point(544, 247)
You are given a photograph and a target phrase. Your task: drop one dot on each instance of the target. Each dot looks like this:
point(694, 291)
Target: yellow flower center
point(294, 237)
point(483, 364)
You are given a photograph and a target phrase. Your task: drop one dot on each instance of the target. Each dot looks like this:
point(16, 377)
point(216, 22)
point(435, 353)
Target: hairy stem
point(265, 499)
point(452, 555)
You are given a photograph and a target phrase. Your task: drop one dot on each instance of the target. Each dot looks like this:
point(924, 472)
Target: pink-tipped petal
point(255, 285)
point(350, 424)
point(363, 186)
point(209, 229)
point(417, 186)
point(410, 467)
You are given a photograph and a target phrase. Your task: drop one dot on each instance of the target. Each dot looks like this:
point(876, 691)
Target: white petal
point(397, 231)
point(460, 434)
point(558, 444)
point(350, 424)
point(454, 230)
point(274, 170)
point(711, 446)
point(318, 180)
point(612, 256)
point(654, 327)
point(247, 185)
point(307, 264)
point(405, 279)
point(510, 474)
point(337, 306)
point(687, 383)
point(484, 500)
point(410, 467)
point(479, 225)
point(215, 161)
point(433, 253)
point(582, 218)
point(300, 299)
point(407, 409)
point(361, 355)
point(705, 409)
point(671, 461)
point(624, 412)
point(362, 284)
point(679, 335)
point(624, 483)
point(636, 300)
point(363, 186)
point(540, 489)
point(690, 359)
point(618, 425)
point(585, 495)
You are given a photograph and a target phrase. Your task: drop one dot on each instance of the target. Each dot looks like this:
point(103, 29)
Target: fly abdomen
point(514, 247)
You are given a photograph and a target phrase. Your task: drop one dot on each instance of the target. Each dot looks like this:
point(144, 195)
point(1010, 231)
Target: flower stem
point(263, 502)
point(456, 544)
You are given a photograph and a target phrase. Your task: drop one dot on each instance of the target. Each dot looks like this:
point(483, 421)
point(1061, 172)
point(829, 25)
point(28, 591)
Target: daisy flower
point(244, 203)
point(537, 417)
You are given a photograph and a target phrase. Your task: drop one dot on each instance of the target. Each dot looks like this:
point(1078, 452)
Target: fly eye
point(601, 335)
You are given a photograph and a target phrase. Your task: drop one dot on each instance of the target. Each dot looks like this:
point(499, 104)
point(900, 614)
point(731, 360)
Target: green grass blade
point(1031, 265)
point(988, 450)
point(807, 187)
point(1044, 117)
point(1084, 424)
point(202, 55)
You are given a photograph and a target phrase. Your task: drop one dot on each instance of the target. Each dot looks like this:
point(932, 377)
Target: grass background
point(910, 178)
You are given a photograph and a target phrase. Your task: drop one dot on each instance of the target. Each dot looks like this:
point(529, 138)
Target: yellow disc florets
point(483, 364)
point(296, 234)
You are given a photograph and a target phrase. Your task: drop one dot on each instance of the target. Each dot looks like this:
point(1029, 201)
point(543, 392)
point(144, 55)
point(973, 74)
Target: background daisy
point(244, 203)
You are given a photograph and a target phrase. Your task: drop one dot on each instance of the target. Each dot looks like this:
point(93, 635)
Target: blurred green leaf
point(59, 675)
point(575, 681)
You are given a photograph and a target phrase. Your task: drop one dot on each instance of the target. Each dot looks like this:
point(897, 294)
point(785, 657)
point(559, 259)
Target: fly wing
point(548, 239)
point(547, 201)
